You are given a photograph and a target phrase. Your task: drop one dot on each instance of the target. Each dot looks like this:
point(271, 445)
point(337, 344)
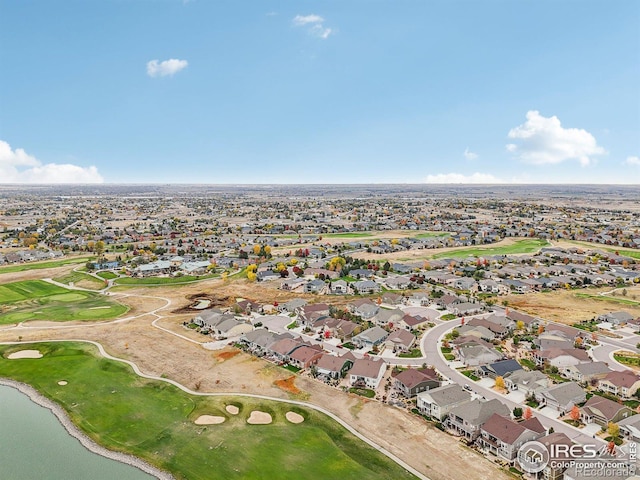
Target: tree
point(520, 325)
point(256, 249)
point(574, 414)
point(99, 248)
point(252, 277)
point(517, 412)
point(613, 429)
point(540, 329)
point(500, 383)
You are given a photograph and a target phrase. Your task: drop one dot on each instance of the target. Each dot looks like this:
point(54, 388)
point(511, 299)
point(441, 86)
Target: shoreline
point(76, 433)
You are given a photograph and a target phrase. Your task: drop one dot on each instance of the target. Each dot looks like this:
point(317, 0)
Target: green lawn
point(39, 300)
point(161, 281)
point(607, 298)
point(529, 245)
point(80, 279)
point(107, 275)
point(414, 353)
point(40, 265)
point(363, 392)
point(26, 290)
point(154, 420)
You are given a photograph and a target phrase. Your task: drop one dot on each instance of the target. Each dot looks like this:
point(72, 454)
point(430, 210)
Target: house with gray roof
point(437, 403)
point(386, 316)
point(630, 427)
point(466, 420)
point(365, 287)
point(529, 382)
point(501, 368)
point(476, 355)
point(370, 337)
point(586, 373)
point(562, 397)
point(615, 318)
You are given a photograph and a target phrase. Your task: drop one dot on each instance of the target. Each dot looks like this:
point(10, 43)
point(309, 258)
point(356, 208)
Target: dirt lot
point(566, 306)
point(157, 352)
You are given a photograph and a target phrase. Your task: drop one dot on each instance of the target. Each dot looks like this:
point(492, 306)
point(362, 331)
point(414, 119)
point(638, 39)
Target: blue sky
point(128, 91)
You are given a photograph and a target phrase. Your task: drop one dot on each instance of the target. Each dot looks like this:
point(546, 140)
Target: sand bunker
point(209, 420)
point(294, 417)
point(62, 382)
point(259, 418)
point(25, 354)
point(232, 409)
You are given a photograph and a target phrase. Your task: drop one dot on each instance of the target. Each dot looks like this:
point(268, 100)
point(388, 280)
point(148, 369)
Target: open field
point(530, 245)
point(80, 279)
point(41, 265)
point(155, 421)
point(506, 246)
point(418, 443)
point(38, 300)
point(27, 290)
point(569, 306)
point(107, 275)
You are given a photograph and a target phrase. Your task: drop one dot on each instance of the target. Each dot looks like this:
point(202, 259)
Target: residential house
point(388, 317)
point(305, 356)
point(370, 338)
point(477, 331)
point(364, 308)
point(562, 397)
point(466, 419)
point(601, 410)
point(531, 383)
point(339, 287)
point(412, 381)
point(397, 283)
point(562, 358)
point(292, 306)
point(466, 308)
point(622, 383)
point(316, 286)
point(557, 464)
point(502, 437)
point(615, 318)
point(367, 372)
point(499, 331)
point(291, 284)
point(630, 427)
point(333, 366)
point(230, 327)
point(400, 340)
point(438, 402)
point(365, 287)
point(394, 299)
point(501, 368)
point(476, 355)
point(281, 349)
point(587, 373)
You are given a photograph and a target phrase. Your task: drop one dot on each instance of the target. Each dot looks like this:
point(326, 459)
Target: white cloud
point(13, 163)
point(315, 24)
point(469, 155)
point(633, 161)
point(461, 178)
point(543, 141)
point(300, 20)
point(172, 66)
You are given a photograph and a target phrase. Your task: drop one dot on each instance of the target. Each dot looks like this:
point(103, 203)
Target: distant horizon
point(286, 92)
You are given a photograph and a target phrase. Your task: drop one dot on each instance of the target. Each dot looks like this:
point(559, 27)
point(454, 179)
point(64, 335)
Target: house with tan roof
point(437, 403)
point(305, 356)
point(412, 381)
point(400, 340)
point(466, 419)
point(601, 410)
point(334, 366)
point(367, 372)
point(624, 383)
point(502, 437)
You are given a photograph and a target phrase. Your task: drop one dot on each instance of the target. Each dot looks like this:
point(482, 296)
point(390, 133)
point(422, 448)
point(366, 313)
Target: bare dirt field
point(156, 352)
point(566, 306)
